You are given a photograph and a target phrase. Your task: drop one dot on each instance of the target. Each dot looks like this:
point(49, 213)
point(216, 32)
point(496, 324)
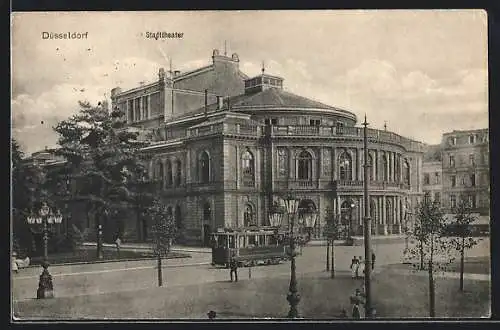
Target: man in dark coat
point(233, 265)
point(373, 260)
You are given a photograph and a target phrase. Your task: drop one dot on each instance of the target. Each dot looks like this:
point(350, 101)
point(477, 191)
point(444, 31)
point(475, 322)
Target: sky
point(422, 72)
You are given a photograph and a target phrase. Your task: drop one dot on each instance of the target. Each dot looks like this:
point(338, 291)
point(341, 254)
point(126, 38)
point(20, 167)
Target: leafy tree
point(433, 250)
point(164, 231)
point(461, 236)
point(103, 163)
point(332, 232)
point(27, 189)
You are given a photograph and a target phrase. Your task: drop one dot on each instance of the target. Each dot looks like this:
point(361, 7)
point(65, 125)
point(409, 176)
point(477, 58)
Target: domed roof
point(271, 99)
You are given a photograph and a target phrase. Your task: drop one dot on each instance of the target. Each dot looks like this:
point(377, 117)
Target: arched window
point(247, 168)
point(249, 216)
point(169, 172)
point(406, 172)
point(345, 167)
point(370, 169)
point(178, 217)
point(386, 168)
point(159, 170)
point(178, 172)
point(304, 170)
point(204, 167)
point(389, 212)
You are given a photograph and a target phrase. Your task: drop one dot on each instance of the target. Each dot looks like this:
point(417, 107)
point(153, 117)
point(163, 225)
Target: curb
point(105, 261)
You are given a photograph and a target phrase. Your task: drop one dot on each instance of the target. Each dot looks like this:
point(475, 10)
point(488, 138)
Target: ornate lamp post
point(290, 204)
point(275, 219)
point(45, 217)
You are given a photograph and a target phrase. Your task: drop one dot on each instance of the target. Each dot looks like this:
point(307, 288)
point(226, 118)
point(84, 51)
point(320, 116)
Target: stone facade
point(225, 146)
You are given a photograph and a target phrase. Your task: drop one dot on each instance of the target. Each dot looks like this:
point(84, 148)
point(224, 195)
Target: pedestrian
point(233, 265)
point(356, 314)
point(361, 268)
point(373, 260)
point(354, 267)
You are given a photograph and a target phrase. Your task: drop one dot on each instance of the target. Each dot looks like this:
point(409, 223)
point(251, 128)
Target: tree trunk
point(421, 255)
point(327, 255)
point(160, 278)
point(332, 274)
point(462, 257)
point(432, 306)
point(432, 309)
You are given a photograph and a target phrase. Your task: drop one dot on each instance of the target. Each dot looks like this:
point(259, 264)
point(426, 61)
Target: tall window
point(304, 166)
point(137, 109)
point(427, 178)
point(389, 212)
point(248, 216)
point(282, 162)
point(178, 172)
point(453, 140)
point(472, 160)
point(247, 167)
point(473, 179)
point(145, 108)
point(169, 173)
point(452, 161)
point(345, 167)
point(472, 139)
point(406, 172)
point(340, 127)
point(204, 167)
point(386, 168)
point(437, 179)
point(437, 197)
point(453, 201)
point(453, 179)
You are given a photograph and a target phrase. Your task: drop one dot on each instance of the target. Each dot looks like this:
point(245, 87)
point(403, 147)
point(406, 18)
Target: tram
point(250, 247)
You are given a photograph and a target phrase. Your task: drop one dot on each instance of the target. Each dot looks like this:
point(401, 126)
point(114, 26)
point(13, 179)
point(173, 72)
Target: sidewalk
point(137, 247)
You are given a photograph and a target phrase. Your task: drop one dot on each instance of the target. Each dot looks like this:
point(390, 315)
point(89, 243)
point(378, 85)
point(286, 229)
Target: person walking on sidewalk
point(233, 265)
point(373, 260)
point(361, 268)
point(354, 267)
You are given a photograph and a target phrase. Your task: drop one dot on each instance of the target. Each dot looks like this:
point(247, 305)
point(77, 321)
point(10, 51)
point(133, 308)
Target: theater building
point(225, 145)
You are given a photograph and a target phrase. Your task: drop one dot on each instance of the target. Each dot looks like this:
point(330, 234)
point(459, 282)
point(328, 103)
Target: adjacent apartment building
point(461, 162)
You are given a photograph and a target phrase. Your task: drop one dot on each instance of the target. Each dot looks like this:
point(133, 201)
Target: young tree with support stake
point(164, 231)
point(332, 232)
point(461, 233)
point(433, 251)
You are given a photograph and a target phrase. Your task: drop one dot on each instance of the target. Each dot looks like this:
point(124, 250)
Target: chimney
point(206, 101)
point(220, 102)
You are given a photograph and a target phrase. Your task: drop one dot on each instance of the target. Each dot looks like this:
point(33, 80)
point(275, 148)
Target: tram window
point(222, 241)
point(231, 242)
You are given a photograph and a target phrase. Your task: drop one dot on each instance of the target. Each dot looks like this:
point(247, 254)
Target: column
point(257, 163)
point(237, 167)
point(379, 214)
point(188, 167)
point(334, 163)
point(398, 204)
point(384, 215)
point(358, 164)
point(148, 114)
point(127, 111)
point(338, 205)
point(291, 168)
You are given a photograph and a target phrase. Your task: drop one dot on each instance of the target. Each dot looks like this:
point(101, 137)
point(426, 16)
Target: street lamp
point(46, 216)
point(290, 204)
point(351, 209)
point(275, 219)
